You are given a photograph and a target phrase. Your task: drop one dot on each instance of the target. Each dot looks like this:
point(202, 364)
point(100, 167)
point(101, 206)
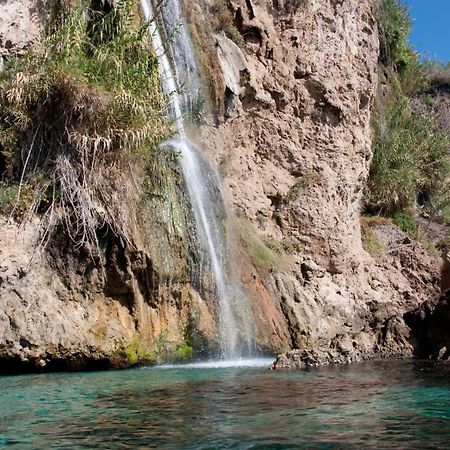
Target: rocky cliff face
point(294, 148)
point(292, 143)
point(111, 305)
point(139, 296)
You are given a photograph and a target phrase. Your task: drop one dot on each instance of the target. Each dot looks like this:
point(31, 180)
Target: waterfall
point(181, 84)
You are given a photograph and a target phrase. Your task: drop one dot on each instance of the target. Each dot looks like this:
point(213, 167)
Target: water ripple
point(376, 405)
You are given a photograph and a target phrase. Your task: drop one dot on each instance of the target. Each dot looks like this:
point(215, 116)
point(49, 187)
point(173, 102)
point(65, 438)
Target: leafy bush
point(223, 21)
point(405, 221)
point(83, 110)
point(184, 351)
point(235, 35)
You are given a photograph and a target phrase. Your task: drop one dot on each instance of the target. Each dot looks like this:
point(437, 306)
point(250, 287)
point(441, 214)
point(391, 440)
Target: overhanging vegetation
point(80, 116)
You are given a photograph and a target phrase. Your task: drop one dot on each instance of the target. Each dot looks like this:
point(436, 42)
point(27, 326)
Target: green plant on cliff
point(411, 159)
point(405, 221)
point(222, 20)
point(184, 351)
point(79, 117)
point(394, 25)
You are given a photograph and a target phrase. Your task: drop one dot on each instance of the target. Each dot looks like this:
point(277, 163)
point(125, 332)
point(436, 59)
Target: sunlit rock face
point(142, 298)
point(293, 144)
point(20, 25)
point(147, 298)
point(291, 139)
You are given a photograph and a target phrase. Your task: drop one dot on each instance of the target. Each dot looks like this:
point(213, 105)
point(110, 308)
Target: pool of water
point(210, 406)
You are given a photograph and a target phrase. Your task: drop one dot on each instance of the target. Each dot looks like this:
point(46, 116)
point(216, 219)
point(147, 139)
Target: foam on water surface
point(220, 364)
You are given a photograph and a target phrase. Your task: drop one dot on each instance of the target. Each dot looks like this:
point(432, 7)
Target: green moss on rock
point(184, 351)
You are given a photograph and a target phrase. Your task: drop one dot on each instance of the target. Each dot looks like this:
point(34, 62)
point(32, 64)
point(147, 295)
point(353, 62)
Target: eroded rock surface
point(91, 308)
point(293, 146)
point(295, 155)
point(144, 296)
point(20, 25)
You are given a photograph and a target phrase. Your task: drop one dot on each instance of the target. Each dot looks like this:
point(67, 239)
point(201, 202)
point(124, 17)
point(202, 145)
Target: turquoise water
point(374, 405)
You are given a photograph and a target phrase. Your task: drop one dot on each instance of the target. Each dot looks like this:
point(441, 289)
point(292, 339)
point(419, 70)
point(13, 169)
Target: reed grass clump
point(80, 116)
point(223, 21)
point(410, 159)
point(411, 162)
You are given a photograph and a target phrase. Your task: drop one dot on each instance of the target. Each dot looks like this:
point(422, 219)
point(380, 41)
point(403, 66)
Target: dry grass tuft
point(80, 117)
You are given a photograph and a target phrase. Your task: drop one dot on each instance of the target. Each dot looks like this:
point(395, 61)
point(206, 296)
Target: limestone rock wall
point(293, 146)
point(119, 303)
point(292, 143)
point(111, 305)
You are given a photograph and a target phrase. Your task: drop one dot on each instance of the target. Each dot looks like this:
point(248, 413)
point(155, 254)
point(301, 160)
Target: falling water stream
point(181, 84)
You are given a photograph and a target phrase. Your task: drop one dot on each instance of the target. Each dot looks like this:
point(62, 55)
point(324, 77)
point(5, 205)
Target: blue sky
point(431, 27)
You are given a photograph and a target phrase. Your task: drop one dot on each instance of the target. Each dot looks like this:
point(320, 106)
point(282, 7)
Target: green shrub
point(222, 20)
point(273, 244)
point(394, 26)
point(235, 35)
point(410, 151)
point(8, 199)
point(184, 351)
point(19, 199)
point(405, 221)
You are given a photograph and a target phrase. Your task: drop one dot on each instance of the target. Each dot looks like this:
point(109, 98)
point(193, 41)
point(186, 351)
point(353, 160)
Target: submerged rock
point(302, 359)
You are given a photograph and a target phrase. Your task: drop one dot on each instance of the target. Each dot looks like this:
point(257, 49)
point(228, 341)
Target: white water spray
point(183, 76)
point(221, 364)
